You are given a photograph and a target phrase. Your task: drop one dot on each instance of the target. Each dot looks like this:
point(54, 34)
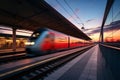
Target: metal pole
point(107, 10)
point(14, 39)
point(102, 35)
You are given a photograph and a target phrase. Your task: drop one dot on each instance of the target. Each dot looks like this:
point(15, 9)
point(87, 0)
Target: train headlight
point(29, 43)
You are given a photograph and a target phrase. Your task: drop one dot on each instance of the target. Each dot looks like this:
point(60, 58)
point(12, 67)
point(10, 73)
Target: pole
point(14, 39)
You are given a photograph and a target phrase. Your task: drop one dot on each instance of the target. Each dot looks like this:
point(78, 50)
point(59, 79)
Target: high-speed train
point(45, 40)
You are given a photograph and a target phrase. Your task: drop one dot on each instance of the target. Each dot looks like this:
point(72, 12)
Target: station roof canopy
point(34, 14)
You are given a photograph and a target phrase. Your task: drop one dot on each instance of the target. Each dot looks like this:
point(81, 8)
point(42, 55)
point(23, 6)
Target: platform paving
point(90, 65)
point(3, 51)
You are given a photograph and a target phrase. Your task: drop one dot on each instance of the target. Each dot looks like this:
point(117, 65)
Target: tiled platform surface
point(89, 66)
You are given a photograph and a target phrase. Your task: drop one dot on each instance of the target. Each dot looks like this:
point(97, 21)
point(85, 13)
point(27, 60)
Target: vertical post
point(102, 35)
point(107, 10)
point(84, 43)
point(68, 41)
point(14, 39)
point(112, 25)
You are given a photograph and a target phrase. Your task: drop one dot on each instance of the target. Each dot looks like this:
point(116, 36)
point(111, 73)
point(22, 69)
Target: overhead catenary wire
point(73, 11)
point(116, 15)
point(67, 11)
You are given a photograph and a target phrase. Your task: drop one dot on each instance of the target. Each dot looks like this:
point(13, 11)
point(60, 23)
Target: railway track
point(41, 69)
point(15, 56)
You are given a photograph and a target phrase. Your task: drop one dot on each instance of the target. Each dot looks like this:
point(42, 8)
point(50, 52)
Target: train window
point(35, 35)
point(50, 37)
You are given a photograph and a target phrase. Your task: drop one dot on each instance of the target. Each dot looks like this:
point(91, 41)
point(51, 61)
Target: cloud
point(90, 20)
point(92, 30)
point(113, 26)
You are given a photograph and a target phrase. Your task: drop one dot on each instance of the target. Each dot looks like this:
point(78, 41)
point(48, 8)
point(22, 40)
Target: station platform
point(7, 51)
point(90, 65)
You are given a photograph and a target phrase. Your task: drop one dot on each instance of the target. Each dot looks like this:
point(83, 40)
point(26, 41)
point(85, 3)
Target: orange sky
point(107, 36)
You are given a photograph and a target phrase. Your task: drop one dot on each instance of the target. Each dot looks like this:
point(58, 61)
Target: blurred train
point(45, 40)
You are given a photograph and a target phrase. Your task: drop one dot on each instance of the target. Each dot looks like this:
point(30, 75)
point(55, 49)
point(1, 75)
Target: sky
point(82, 13)
point(87, 14)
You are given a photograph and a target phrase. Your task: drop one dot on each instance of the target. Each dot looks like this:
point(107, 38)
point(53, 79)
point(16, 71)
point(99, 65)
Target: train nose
point(28, 50)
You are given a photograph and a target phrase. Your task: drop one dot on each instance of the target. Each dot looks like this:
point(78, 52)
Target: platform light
point(29, 43)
